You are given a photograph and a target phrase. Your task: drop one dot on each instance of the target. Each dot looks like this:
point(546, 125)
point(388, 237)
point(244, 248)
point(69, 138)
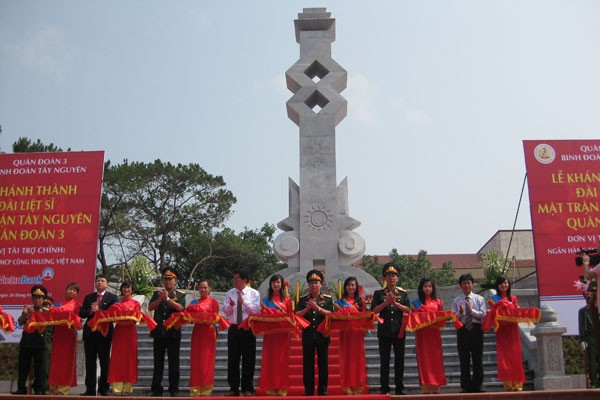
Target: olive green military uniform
point(313, 340)
point(33, 346)
point(166, 339)
point(387, 333)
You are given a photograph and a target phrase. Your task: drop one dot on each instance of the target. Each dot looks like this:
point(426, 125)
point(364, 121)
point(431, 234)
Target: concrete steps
point(411, 377)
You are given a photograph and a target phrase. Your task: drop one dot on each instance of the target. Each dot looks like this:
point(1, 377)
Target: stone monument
point(318, 233)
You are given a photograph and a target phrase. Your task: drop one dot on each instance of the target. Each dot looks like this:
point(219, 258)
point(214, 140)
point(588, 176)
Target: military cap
point(39, 290)
point(389, 268)
point(169, 272)
point(314, 275)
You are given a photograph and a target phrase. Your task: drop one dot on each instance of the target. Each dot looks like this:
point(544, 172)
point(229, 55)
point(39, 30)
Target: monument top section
point(315, 19)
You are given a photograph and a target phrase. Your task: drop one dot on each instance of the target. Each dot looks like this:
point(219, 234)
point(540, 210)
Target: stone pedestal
point(550, 374)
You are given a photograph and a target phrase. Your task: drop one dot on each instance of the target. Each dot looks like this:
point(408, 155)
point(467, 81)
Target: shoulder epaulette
point(326, 295)
point(306, 295)
point(402, 290)
point(180, 291)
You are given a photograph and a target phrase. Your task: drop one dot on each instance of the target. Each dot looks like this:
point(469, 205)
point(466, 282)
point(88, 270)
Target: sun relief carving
point(318, 218)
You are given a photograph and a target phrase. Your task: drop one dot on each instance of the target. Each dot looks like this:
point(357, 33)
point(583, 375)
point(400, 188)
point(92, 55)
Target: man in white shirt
point(239, 303)
point(470, 309)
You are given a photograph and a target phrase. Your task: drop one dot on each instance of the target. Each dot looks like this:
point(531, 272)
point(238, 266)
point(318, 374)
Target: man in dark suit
point(314, 307)
point(94, 344)
point(390, 303)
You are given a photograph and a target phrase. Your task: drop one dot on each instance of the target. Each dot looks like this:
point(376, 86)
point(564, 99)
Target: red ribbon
point(102, 318)
point(271, 321)
point(39, 320)
point(7, 322)
point(347, 318)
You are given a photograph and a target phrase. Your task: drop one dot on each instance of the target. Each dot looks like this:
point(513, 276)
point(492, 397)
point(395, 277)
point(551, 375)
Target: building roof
point(459, 261)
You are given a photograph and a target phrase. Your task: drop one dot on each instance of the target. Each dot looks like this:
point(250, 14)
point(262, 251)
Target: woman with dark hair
point(430, 357)
point(353, 368)
point(508, 338)
point(274, 377)
point(122, 372)
point(63, 362)
point(204, 343)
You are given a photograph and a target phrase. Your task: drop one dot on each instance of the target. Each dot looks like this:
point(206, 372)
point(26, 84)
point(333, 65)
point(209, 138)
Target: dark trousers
point(171, 346)
point(470, 347)
point(241, 343)
point(96, 346)
point(385, 346)
point(26, 355)
point(308, 366)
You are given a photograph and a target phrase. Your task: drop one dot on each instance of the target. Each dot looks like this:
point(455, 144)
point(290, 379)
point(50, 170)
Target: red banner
point(564, 181)
point(49, 218)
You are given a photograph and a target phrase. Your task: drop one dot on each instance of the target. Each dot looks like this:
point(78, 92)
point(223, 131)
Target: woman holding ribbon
point(508, 336)
point(352, 342)
point(122, 372)
point(204, 343)
point(274, 377)
point(428, 339)
point(63, 361)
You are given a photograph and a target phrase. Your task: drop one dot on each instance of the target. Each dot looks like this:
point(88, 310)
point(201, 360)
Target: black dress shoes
point(86, 393)
point(21, 392)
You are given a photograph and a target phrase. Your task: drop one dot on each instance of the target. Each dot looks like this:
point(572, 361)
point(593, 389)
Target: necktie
point(468, 317)
point(239, 308)
point(99, 301)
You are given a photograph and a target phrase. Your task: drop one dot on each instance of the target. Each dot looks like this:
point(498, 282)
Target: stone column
point(550, 374)
point(318, 232)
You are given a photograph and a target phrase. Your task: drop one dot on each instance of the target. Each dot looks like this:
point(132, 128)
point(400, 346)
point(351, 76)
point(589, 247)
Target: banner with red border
point(564, 184)
point(49, 219)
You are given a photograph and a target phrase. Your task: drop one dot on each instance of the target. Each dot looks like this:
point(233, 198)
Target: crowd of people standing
point(390, 307)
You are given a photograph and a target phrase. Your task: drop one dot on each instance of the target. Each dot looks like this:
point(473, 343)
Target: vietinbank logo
point(46, 275)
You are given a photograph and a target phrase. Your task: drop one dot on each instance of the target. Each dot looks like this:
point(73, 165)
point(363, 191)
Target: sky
point(440, 97)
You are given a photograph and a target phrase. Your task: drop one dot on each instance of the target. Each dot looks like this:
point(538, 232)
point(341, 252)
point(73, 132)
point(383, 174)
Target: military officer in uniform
point(314, 307)
point(390, 303)
point(33, 346)
point(164, 303)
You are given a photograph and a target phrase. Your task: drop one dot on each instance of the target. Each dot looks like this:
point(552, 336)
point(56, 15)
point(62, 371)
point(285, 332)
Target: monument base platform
point(574, 394)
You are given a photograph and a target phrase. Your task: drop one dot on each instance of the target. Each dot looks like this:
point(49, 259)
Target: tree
point(493, 265)
point(147, 208)
point(25, 145)
point(411, 269)
point(216, 257)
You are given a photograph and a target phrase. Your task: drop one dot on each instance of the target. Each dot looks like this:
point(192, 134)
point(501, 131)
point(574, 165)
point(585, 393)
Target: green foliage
point(493, 265)
point(141, 274)
point(147, 208)
point(25, 145)
point(411, 269)
point(573, 355)
point(216, 256)
point(9, 355)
